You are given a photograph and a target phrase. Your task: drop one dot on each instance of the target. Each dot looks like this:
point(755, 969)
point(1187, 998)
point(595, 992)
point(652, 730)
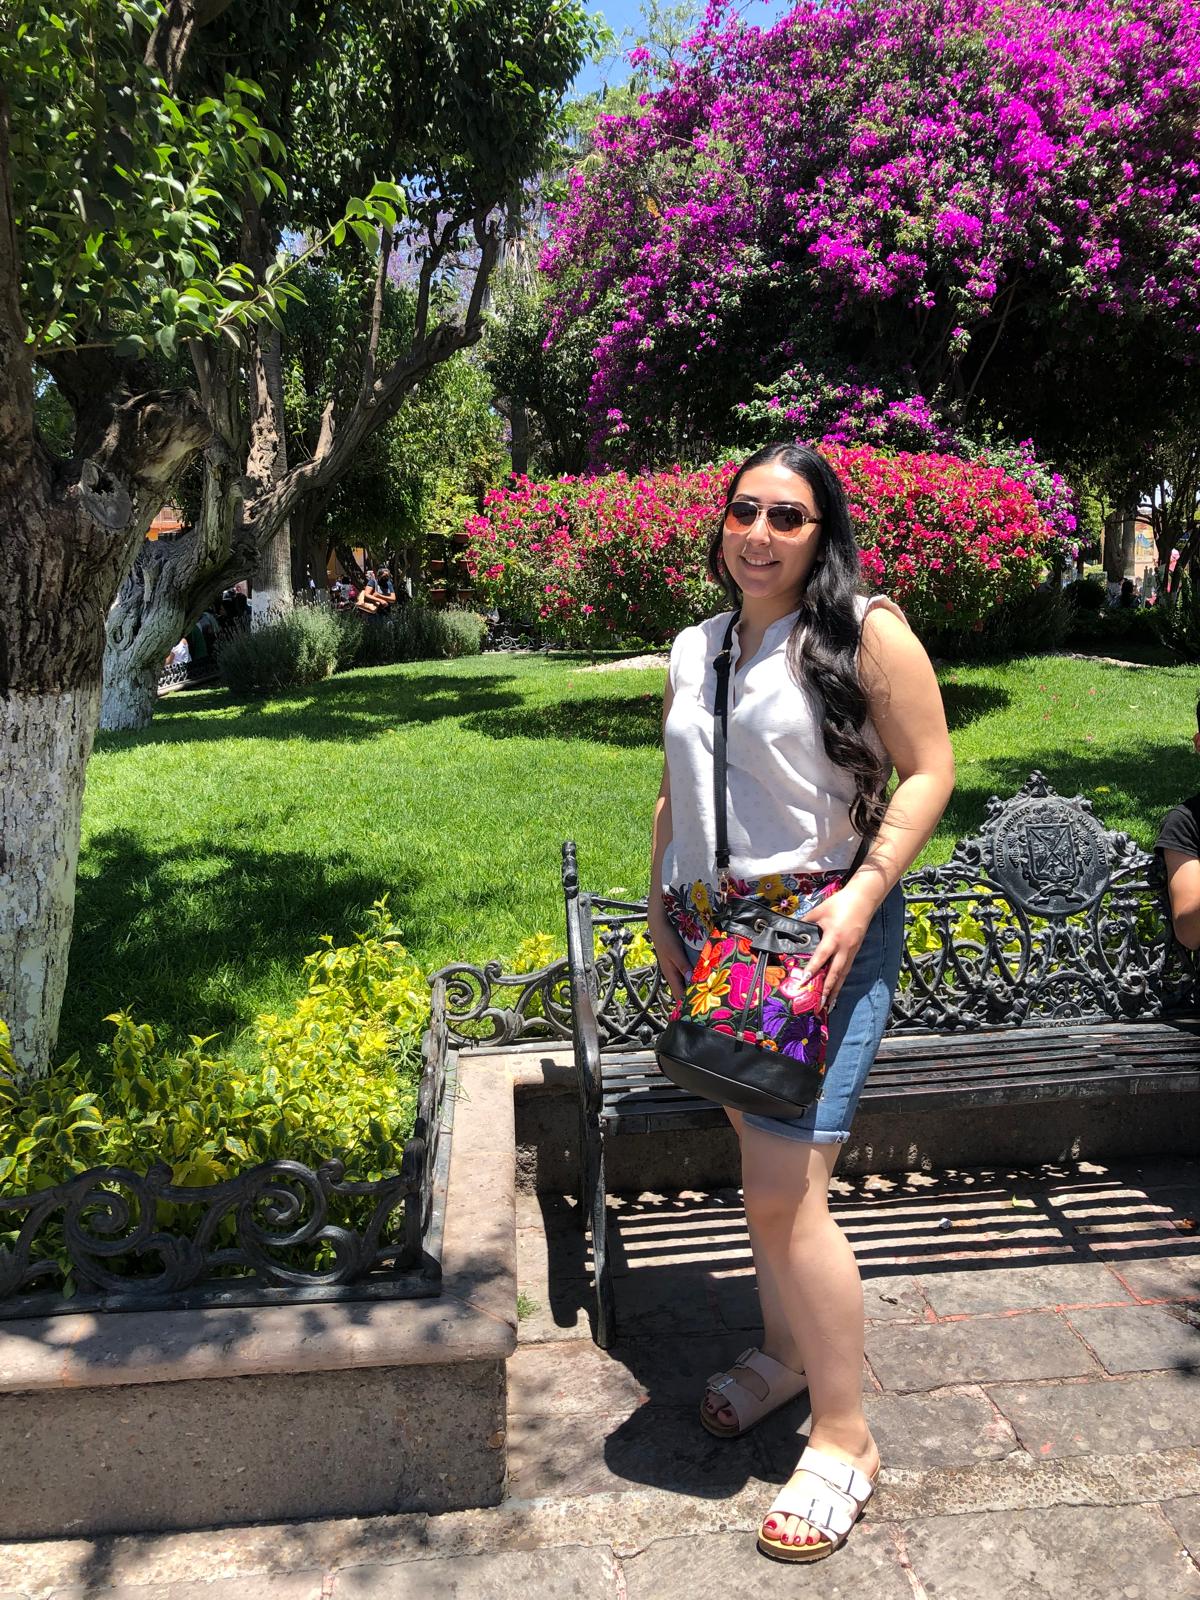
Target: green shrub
point(465, 631)
point(303, 646)
point(337, 1077)
point(415, 632)
point(1177, 621)
point(1118, 630)
point(1087, 594)
point(1035, 623)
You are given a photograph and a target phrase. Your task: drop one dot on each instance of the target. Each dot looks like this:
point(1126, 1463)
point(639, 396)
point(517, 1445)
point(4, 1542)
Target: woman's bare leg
point(806, 1258)
point(777, 1334)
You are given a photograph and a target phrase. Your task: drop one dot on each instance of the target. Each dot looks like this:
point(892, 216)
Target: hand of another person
point(669, 950)
point(843, 920)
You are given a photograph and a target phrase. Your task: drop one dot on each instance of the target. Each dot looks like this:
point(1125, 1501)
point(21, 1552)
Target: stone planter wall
point(122, 1421)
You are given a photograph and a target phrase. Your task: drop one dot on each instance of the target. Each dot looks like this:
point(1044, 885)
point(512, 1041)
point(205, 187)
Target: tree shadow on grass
point(632, 721)
point(345, 709)
point(172, 933)
point(967, 702)
point(1130, 790)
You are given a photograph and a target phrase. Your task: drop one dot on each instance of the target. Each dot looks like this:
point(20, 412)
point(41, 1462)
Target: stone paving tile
point(666, 1303)
point(1051, 1554)
point(542, 1259)
point(1010, 1288)
point(721, 1565)
point(289, 1586)
point(1103, 1417)
point(662, 1447)
point(1184, 1517)
point(737, 1302)
point(569, 1376)
point(1162, 1277)
point(560, 1309)
point(1036, 1344)
point(563, 1574)
point(947, 1430)
point(694, 1239)
point(893, 1298)
point(1138, 1338)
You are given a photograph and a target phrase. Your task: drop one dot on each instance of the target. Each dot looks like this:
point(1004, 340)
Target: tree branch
point(16, 369)
point(437, 254)
point(991, 349)
point(368, 372)
point(168, 45)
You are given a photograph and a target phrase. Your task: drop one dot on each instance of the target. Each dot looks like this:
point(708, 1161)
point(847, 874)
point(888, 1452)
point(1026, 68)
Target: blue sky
point(625, 15)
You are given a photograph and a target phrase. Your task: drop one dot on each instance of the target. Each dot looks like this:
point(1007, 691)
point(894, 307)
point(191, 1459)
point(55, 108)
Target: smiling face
point(768, 566)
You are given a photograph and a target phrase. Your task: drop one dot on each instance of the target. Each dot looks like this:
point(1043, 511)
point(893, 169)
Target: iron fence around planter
point(1042, 916)
point(277, 1233)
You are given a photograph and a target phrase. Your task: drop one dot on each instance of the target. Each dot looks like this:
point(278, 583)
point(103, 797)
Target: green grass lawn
point(219, 844)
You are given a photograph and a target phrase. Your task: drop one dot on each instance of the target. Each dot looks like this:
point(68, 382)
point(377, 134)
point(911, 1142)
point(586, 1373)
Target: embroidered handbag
point(752, 1027)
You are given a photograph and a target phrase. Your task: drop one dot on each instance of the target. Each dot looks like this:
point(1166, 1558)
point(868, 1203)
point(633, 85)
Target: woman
point(828, 693)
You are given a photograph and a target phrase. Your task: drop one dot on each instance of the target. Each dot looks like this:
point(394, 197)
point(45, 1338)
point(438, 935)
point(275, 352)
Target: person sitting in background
point(1128, 600)
point(1178, 843)
point(370, 602)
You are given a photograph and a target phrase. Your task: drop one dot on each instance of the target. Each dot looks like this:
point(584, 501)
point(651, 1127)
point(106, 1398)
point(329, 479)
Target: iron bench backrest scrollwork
point(1042, 917)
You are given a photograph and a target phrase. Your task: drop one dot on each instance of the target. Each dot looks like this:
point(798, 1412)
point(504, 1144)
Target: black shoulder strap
point(721, 663)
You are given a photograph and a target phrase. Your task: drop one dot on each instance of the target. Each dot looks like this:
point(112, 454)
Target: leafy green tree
point(144, 183)
point(424, 471)
point(355, 89)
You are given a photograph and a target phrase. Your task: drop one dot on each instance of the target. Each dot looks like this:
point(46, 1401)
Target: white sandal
point(765, 1385)
point(832, 1510)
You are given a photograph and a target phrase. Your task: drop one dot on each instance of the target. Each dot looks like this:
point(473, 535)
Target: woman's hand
point(843, 920)
point(668, 949)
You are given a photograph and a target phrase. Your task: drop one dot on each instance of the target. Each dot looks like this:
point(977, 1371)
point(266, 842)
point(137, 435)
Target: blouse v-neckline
point(739, 669)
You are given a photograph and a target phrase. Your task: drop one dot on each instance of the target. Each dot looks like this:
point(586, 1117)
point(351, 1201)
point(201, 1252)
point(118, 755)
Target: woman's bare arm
point(668, 947)
point(1183, 887)
point(905, 705)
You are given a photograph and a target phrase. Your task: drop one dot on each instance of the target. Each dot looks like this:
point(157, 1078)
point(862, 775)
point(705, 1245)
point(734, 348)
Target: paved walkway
point(1032, 1377)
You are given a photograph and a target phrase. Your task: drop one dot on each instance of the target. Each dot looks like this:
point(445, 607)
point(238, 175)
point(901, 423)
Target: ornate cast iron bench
point(1039, 966)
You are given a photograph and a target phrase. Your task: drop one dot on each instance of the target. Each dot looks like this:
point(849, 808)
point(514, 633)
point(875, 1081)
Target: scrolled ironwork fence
point(280, 1231)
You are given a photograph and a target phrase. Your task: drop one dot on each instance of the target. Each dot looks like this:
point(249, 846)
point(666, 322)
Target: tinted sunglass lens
point(784, 519)
point(741, 512)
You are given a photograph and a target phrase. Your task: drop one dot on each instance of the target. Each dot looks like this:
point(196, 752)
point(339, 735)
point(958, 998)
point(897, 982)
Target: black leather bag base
point(709, 1064)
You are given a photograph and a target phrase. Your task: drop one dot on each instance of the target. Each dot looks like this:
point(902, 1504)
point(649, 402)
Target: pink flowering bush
point(618, 557)
point(1001, 197)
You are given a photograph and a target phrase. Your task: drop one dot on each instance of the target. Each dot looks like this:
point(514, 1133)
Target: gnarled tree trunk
point(67, 533)
point(170, 584)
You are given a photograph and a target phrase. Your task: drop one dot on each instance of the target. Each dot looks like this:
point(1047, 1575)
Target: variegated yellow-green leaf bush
point(336, 1077)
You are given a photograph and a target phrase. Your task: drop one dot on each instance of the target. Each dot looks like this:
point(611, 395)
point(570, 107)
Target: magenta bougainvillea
point(593, 559)
point(1000, 196)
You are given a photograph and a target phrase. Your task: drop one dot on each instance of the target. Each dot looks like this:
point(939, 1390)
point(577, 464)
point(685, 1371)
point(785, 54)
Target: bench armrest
point(581, 967)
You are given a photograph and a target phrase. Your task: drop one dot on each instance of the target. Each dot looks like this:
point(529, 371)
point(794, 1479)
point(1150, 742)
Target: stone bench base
point(547, 1132)
point(149, 1421)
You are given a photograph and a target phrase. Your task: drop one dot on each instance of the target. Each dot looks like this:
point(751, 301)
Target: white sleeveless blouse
point(788, 806)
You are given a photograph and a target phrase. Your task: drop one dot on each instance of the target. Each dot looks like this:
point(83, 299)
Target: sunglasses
point(741, 515)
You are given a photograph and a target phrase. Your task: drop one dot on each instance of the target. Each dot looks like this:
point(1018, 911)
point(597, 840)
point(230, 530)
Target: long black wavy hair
point(822, 649)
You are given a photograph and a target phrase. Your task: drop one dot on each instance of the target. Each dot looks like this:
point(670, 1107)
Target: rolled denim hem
point(797, 1135)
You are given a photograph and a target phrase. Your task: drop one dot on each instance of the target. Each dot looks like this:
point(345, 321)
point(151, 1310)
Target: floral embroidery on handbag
point(765, 997)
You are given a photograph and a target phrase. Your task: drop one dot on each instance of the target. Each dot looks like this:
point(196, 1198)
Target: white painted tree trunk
point(273, 580)
point(45, 741)
point(129, 696)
